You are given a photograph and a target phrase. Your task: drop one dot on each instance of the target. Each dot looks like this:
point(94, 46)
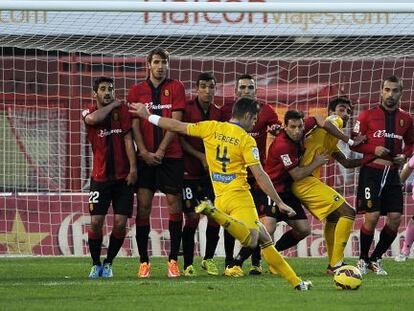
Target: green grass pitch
point(62, 284)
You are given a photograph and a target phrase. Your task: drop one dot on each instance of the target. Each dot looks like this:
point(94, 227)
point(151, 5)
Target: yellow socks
point(342, 231)
point(278, 263)
point(236, 228)
point(329, 234)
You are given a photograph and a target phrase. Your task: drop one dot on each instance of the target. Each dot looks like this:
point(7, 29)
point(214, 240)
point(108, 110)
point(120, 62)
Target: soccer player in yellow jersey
point(320, 199)
point(229, 151)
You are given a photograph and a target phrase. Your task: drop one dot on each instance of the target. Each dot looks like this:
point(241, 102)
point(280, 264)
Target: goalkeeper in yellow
point(322, 201)
point(229, 151)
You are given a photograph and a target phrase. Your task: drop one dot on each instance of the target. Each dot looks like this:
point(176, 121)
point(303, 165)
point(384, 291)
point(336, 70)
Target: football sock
point(229, 242)
point(175, 225)
point(342, 231)
point(278, 263)
point(409, 238)
point(235, 227)
point(256, 257)
point(212, 238)
point(244, 253)
point(95, 245)
point(188, 241)
point(287, 240)
point(329, 235)
point(365, 241)
point(387, 236)
point(142, 233)
point(115, 242)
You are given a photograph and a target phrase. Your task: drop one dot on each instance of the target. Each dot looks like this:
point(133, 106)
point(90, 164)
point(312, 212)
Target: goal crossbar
point(230, 7)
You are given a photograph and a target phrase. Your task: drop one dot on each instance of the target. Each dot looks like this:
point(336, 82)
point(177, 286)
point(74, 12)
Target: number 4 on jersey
point(222, 159)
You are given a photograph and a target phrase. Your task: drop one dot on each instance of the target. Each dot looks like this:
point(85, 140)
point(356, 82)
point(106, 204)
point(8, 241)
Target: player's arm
point(407, 170)
point(266, 185)
point(408, 139)
point(334, 131)
point(148, 157)
point(130, 151)
point(298, 173)
point(345, 162)
point(192, 151)
point(168, 137)
point(173, 125)
point(361, 128)
point(100, 114)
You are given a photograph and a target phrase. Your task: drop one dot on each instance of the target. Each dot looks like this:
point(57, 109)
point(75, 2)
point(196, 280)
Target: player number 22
point(93, 196)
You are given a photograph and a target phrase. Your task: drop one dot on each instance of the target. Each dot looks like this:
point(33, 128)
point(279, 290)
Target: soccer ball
point(347, 277)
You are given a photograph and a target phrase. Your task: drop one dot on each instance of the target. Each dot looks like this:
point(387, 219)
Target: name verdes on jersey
point(227, 139)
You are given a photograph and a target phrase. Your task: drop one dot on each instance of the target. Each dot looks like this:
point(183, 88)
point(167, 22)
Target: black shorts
point(194, 191)
point(166, 177)
point(258, 195)
point(271, 210)
point(116, 191)
point(373, 198)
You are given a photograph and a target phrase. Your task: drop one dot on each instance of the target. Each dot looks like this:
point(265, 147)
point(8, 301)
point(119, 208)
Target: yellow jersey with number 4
point(319, 141)
point(229, 151)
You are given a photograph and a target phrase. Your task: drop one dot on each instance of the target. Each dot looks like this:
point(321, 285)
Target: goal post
point(302, 54)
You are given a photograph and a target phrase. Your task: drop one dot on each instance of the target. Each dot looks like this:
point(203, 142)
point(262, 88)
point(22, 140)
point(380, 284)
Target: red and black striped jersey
point(193, 113)
point(392, 130)
point(110, 160)
point(169, 96)
point(284, 154)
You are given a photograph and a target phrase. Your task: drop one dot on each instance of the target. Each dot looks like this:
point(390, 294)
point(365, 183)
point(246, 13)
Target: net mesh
point(47, 72)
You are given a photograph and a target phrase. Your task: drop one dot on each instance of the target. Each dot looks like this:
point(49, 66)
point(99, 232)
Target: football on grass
point(347, 277)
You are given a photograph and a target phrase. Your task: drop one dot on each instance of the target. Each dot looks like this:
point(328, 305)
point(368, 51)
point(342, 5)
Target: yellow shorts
point(240, 206)
point(320, 199)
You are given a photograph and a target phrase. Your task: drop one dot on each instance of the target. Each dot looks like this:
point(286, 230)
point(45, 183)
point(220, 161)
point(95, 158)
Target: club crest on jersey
point(115, 116)
point(401, 122)
point(166, 93)
point(255, 152)
point(286, 160)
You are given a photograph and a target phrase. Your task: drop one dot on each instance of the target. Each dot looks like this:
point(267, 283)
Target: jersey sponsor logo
point(286, 160)
point(255, 152)
point(383, 133)
point(357, 126)
point(223, 178)
point(104, 133)
point(151, 106)
point(254, 134)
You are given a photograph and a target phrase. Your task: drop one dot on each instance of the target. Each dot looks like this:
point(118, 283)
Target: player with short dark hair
point(229, 151)
point(321, 200)
point(160, 157)
point(390, 140)
point(108, 126)
point(267, 122)
point(197, 184)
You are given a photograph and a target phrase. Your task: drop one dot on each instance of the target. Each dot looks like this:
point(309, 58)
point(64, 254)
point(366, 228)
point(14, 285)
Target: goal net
point(49, 58)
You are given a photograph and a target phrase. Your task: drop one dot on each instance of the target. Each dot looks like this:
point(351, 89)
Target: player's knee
point(191, 220)
point(251, 240)
point(347, 211)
